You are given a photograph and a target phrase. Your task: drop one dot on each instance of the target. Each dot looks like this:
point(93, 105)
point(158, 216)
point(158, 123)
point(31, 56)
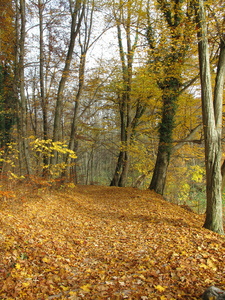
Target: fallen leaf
point(86, 288)
point(211, 265)
point(159, 288)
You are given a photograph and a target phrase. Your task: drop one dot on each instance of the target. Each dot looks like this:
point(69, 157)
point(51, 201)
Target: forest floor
point(92, 242)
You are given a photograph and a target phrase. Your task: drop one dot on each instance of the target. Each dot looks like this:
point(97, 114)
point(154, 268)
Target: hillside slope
point(104, 243)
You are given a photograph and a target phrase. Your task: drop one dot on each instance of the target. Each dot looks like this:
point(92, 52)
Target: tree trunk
point(125, 169)
point(116, 177)
point(75, 115)
point(212, 122)
point(170, 88)
point(43, 99)
point(16, 88)
point(84, 41)
point(22, 91)
point(123, 18)
point(77, 17)
point(159, 175)
point(121, 157)
point(120, 178)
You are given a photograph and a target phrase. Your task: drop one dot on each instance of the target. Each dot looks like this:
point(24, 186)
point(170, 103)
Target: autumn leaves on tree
point(117, 103)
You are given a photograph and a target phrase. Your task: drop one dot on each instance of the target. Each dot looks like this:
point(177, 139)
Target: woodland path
point(92, 242)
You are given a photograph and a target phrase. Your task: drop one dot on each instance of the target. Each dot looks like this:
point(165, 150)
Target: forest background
point(108, 93)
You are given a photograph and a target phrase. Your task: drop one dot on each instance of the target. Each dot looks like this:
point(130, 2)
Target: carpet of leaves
point(104, 243)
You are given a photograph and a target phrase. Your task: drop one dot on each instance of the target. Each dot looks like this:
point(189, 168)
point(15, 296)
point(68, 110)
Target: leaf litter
point(95, 242)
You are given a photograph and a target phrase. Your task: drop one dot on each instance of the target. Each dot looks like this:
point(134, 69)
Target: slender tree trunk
point(16, 89)
point(212, 122)
point(77, 17)
point(75, 115)
point(116, 178)
point(84, 41)
point(43, 99)
point(120, 176)
point(22, 90)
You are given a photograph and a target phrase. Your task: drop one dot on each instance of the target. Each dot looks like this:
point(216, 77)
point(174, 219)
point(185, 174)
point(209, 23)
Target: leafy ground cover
point(104, 243)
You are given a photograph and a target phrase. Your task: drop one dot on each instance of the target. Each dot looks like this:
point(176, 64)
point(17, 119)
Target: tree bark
point(170, 96)
point(212, 122)
point(116, 177)
point(159, 175)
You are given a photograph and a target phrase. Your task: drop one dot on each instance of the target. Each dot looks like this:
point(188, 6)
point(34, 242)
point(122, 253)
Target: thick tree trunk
point(159, 175)
point(116, 177)
point(170, 88)
point(212, 122)
point(125, 169)
point(214, 217)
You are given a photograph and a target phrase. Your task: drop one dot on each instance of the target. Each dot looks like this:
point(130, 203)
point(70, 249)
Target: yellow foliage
point(197, 173)
point(47, 148)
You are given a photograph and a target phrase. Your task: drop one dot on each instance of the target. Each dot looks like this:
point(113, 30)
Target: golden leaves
point(104, 243)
